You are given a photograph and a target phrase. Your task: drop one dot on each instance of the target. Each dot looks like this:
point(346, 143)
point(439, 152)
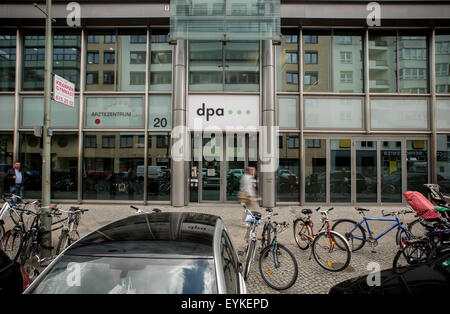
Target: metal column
point(268, 121)
point(179, 179)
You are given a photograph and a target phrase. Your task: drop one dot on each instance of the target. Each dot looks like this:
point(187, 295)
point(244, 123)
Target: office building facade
point(362, 113)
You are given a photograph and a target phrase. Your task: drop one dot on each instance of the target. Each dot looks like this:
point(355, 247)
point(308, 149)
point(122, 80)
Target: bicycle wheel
point(11, 243)
point(278, 267)
point(2, 229)
point(249, 258)
point(62, 241)
point(331, 251)
point(411, 254)
point(302, 234)
point(402, 237)
point(355, 235)
point(416, 229)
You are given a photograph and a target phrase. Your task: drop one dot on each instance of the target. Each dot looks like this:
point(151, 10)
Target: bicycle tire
point(416, 229)
point(11, 243)
point(62, 241)
point(2, 229)
point(333, 264)
point(249, 258)
point(275, 277)
point(300, 228)
point(402, 237)
point(411, 254)
point(344, 226)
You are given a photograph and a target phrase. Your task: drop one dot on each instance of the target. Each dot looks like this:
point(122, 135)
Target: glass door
point(235, 163)
point(366, 171)
point(211, 169)
point(391, 171)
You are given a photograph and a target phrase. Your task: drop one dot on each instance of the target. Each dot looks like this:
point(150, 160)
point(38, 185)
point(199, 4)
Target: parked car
point(13, 278)
point(170, 253)
point(427, 278)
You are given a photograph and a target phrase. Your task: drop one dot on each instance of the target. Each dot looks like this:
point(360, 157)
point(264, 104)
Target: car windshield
point(121, 275)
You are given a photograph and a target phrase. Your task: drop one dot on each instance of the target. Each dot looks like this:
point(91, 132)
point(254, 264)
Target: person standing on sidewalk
point(247, 194)
point(15, 180)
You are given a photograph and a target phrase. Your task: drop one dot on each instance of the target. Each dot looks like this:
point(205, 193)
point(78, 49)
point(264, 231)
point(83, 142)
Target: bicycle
point(329, 248)
point(69, 233)
point(21, 244)
point(424, 249)
point(356, 234)
point(8, 208)
point(277, 265)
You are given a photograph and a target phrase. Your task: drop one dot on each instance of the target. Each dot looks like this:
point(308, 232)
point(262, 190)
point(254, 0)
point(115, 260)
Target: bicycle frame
point(366, 220)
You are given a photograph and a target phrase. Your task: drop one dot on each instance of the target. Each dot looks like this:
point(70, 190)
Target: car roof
point(168, 234)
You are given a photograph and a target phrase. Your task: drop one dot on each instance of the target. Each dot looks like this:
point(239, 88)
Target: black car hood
point(429, 278)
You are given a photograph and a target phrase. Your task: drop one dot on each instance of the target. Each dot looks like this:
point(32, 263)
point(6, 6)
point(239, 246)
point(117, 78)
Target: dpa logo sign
point(223, 112)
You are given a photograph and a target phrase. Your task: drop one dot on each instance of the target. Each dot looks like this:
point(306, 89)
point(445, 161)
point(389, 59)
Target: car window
point(229, 265)
point(121, 275)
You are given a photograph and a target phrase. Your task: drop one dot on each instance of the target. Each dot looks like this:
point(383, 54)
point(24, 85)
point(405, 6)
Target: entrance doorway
point(218, 164)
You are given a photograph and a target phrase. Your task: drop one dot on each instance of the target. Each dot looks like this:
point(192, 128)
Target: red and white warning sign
point(63, 91)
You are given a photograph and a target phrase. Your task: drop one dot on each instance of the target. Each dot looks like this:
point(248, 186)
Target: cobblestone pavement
point(312, 279)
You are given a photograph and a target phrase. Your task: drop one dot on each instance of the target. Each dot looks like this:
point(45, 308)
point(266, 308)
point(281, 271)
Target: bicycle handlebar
point(396, 213)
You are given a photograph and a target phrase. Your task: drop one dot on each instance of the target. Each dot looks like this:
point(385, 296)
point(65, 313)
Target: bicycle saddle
point(306, 211)
point(362, 209)
point(257, 215)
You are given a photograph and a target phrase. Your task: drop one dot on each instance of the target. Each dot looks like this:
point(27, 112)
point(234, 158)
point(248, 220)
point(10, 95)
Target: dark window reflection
point(113, 166)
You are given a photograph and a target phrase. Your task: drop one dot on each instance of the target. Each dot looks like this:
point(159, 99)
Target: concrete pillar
point(267, 173)
point(179, 179)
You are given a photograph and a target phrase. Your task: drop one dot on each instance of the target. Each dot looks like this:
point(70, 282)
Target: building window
point(93, 39)
point(108, 141)
point(291, 58)
point(7, 62)
point(108, 77)
point(310, 39)
point(109, 57)
point(346, 77)
point(293, 142)
point(138, 39)
point(110, 39)
point(346, 56)
point(442, 62)
point(91, 78)
point(311, 57)
point(292, 78)
point(311, 78)
point(126, 141)
point(92, 57)
point(137, 78)
point(287, 68)
point(90, 141)
point(313, 143)
point(291, 39)
point(137, 57)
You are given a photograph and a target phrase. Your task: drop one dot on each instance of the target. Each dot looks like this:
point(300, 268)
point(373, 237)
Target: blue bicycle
point(357, 236)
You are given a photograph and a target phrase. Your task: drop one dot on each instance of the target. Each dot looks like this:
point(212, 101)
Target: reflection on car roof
point(183, 233)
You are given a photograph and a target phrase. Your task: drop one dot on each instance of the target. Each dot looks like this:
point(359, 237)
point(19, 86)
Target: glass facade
point(287, 62)
point(442, 48)
point(288, 173)
point(7, 61)
point(113, 164)
point(443, 162)
point(66, 58)
point(382, 62)
point(160, 61)
point(217, 67)
point(342, 164)
point(6, 157)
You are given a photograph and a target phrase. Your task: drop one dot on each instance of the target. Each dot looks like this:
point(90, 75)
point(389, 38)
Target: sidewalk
point(312, 278)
